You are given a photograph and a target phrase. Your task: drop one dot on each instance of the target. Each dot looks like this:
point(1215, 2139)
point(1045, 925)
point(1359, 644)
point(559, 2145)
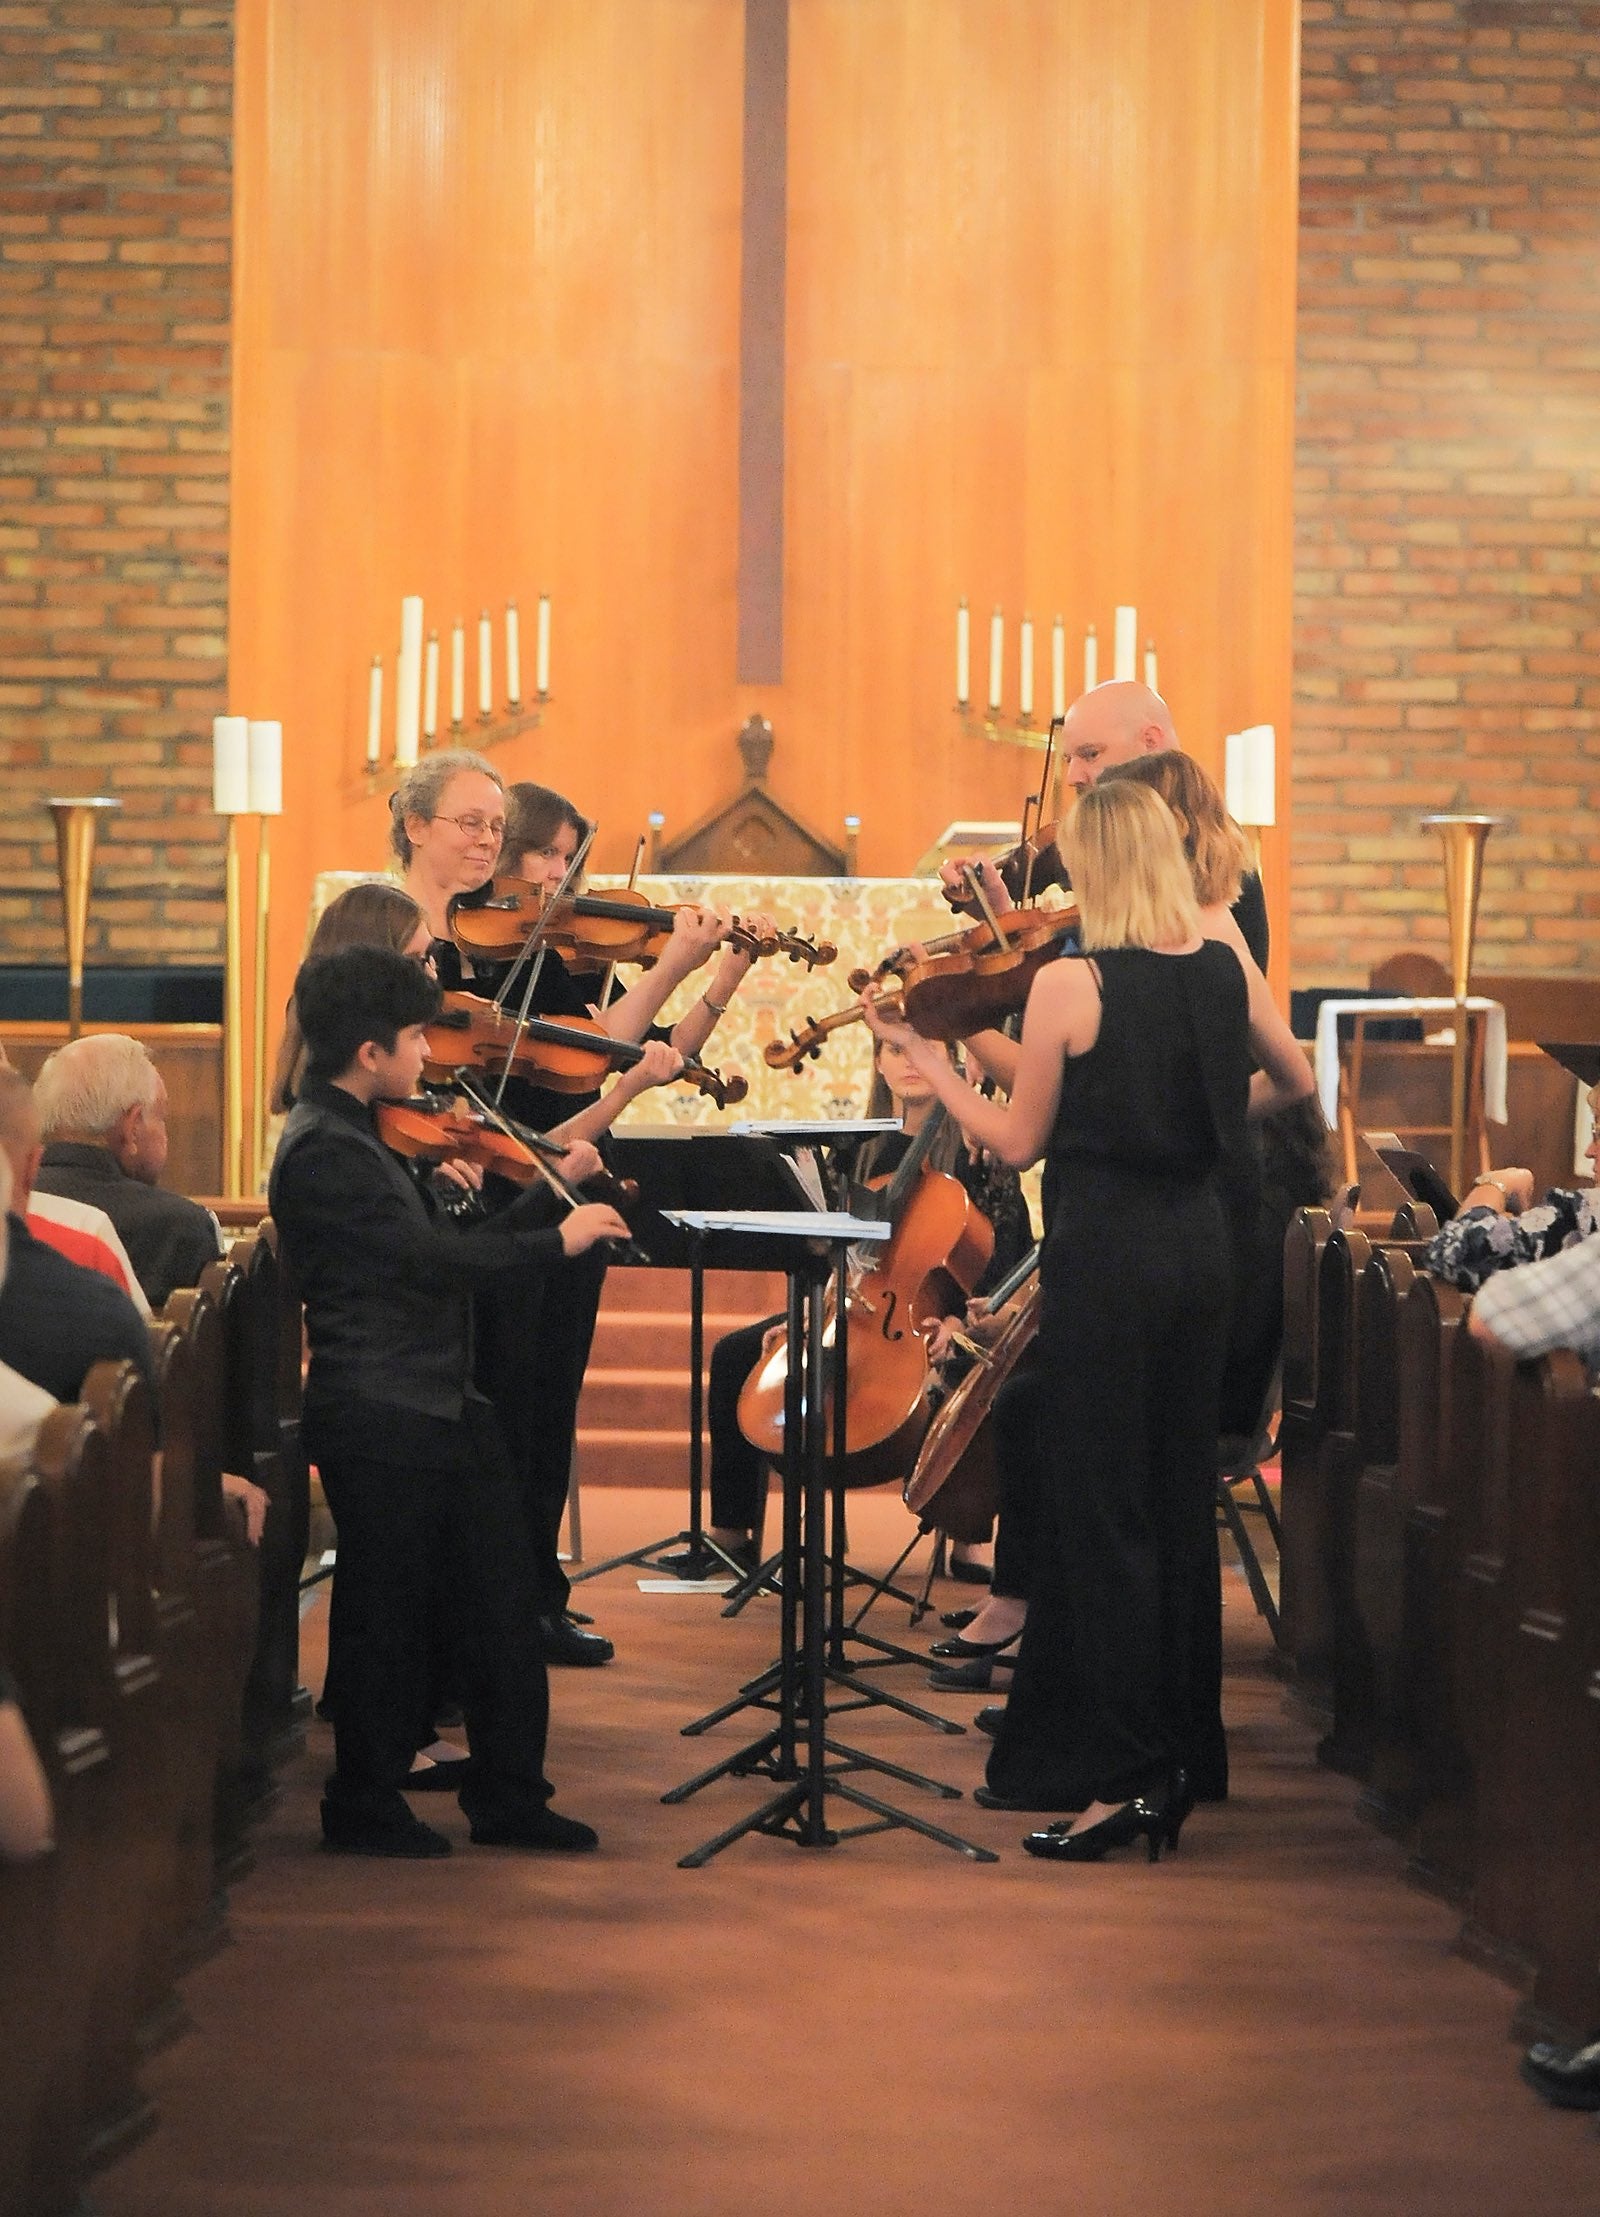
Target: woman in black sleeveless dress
point(1134, 1078)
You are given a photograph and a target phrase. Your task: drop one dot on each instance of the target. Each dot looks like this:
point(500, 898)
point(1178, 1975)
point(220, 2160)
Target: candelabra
point(1024, 730)
point(76, 821)
point(417, 726)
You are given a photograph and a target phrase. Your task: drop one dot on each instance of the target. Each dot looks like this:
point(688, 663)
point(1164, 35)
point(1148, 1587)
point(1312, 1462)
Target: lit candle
point(1091, 659)
point(230, 765)
point(431, 688)
point(997, 651)
point(513, 656)
point(1250, 784)
point(541, 649)
point(963, 655)
point(408, 683)
point(1125, 643)
point(1058, 668)
point(1150, 664)
point(1025, 671)
point(485, 666)
point(266, 768)
point(458, 673)
point(375, 712)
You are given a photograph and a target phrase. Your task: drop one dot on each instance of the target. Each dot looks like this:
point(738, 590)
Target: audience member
point(102, 1108)
point(57, 1320)
point(23, 1405)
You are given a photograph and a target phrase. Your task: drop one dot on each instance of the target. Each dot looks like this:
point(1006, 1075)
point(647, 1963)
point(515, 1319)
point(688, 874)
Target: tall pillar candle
point(1025, 668)
point(963, 655)
point(408, 683)
point(458, 673)
point(430, 689)
point(513, 656)
point(485, 665)
point(1091, 659)
point(230, 765)
point(997, 651)
point(1150, 664)
point(541, 649)
point(1058, 668)
point(1125, 644)
point(375, 712)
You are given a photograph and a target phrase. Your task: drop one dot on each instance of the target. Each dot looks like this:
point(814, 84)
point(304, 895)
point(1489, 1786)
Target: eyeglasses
point(475, 825)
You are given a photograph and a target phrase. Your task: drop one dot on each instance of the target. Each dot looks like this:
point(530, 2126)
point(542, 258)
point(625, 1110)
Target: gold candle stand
point(233, 1027)
point(1464, 838)
point(258, 1090)
point(76, 819)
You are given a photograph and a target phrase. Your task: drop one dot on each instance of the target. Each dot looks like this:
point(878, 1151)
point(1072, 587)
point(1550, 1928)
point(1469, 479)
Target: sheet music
point(803, 1168)
point(825, 1129)
point(780, 1223)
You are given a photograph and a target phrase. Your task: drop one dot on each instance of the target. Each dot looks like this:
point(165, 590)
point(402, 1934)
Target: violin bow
point(539, 1145)
point(534, 946)
point(1056, 723)
point(611, 967)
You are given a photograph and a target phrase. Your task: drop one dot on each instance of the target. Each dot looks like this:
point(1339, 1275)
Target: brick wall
point(1447, 626)
point(115, 270)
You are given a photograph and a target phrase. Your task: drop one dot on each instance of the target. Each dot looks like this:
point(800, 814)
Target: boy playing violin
point(411, 1460)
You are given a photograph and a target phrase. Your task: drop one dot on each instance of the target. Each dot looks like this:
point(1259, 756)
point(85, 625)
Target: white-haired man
point(102, 1108)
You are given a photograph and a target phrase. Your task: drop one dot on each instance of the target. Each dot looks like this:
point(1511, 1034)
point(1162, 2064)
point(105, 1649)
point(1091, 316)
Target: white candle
point(997, 654)
point(1091, 659)
point(266, 768)
point(541, 649)
point(1250, 785)
point(430, 689)
point(963, 655)
point(408, 683)
point(513, 656)
point(375, 711)
point(1058, 668)
point(485, 666)
point(1150, 664)
point(1125, 643)
point(230, 765)
point(1025, 668)
point(458, 673)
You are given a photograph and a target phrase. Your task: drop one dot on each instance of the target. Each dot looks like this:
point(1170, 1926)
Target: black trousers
point(740, 1473)
point(534, 1330)
point(430, 1530)
point(1131, 1347)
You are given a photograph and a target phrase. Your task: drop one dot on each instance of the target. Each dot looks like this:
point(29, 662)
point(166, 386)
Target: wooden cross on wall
point(763, 242)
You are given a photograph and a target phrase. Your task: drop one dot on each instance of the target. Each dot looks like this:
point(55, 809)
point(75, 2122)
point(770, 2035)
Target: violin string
point(611, 966)
point(536, 947)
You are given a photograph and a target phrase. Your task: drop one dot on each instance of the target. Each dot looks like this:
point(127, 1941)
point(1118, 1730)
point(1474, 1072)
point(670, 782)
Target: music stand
point(817, 1246)
point(677, 1170)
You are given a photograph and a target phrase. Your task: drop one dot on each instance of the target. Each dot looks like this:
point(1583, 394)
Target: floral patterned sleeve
point(1473, 1246)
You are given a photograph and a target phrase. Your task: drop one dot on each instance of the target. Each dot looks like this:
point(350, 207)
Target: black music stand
point(684, 1169)
point(817, 1246)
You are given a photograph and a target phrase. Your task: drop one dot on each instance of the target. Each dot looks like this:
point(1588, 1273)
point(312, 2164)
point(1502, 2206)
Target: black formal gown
point(1136, 1285)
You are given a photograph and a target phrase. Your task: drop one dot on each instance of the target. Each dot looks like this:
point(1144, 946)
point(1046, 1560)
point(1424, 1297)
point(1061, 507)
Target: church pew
point(1333, 1662)
point(1299, 1437)
point(231, 1572)
point(1372, 1694)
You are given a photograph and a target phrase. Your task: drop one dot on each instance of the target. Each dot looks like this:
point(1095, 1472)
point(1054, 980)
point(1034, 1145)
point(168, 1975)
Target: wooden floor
point(1271, 2021)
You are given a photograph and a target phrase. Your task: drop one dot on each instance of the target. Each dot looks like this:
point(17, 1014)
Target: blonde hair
point(1130, 876)
point(1218, 852)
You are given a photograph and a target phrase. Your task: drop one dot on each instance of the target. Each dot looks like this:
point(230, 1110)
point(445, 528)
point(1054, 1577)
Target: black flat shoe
point(968, 1574)
point(440, 1778)
point(953, 1620)
point(535, 1828)
point(1039, 1802)
point(968, 1678)
point(959, 1649)
point(401, 1840)
point(563, 1643)
point(1567, 2077)
point(991, 1718)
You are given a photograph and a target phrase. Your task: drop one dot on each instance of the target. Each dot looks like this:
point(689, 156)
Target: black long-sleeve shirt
point(386, 1278)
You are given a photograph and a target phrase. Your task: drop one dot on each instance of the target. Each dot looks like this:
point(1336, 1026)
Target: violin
point(429, 1130)
point(951, 996)
point(1031, 867)
point(573, 1056)
point(793, 1052)
point(591, 930)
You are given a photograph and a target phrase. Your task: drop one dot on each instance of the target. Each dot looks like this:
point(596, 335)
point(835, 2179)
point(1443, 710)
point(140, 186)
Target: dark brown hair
point(534, 814)
point(374, 914)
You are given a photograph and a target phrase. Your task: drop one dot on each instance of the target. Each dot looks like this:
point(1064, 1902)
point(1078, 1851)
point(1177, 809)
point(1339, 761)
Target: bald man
point(1113, 723)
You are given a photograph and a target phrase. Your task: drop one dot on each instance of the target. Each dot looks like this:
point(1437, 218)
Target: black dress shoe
point(991, 1718)
point(959, 1649)
point(403, 1838)
point(534, 1828)
point(957, 1620)
point(968, 1678)
point(1568, 2077)
point(685, 1563)
point(447, 1777)
point(1138, 1819)
point(1038, 1801)
point(562, 1642)
point(968, 1574)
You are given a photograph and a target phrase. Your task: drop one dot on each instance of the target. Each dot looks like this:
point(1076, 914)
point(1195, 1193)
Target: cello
point(955, 1486)
point(936, 1254)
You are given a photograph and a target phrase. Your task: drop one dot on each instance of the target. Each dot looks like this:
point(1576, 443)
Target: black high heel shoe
point(1156, 1821)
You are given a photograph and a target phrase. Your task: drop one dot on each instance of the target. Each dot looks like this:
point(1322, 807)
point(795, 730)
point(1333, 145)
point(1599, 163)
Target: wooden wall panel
point(1040, 313)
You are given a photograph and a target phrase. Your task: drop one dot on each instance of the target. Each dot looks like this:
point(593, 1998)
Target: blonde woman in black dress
point(1135, 1080)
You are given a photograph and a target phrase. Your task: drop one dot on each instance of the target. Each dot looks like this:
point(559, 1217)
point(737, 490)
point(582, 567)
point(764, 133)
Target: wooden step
point(641, 1339)
point(735, 1292)
point(623, 1456)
